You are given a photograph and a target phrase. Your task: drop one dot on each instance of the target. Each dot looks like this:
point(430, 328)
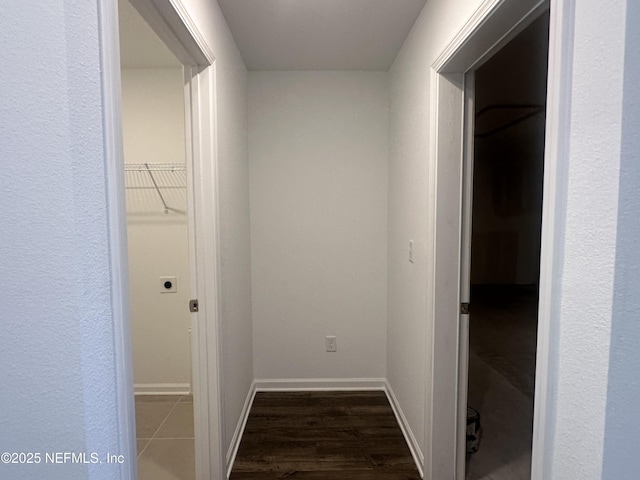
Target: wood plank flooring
point(323, 436)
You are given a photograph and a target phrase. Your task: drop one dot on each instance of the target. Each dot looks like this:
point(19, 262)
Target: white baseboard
point(162, 389)
point(318, 384)
point(416, 453)
point(242, 422)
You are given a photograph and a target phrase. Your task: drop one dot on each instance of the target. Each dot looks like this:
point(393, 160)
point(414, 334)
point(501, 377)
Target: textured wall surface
point(318, 156)
point(57, 351)
point(621, 459)
point(59, 392)
point(588, 264)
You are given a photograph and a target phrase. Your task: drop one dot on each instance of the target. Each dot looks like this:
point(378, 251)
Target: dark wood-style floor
point(323, 436)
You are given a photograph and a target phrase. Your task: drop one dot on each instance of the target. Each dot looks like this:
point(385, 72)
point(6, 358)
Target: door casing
point(170, 20)
point(493, 25)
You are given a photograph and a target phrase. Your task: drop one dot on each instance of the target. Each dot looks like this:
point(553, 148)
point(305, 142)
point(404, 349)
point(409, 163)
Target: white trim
point(319, 384)
point(170, 20)
point(463, 35)
point(117, 231)
point(239, 431)
point(410, 438)
point(431, 257)
point(493, 24)
point(440, 428)
point(187, 73)
point(162, 389)
point(198, 357)
point(477, 41)
point(207, 378)
point(187, 22)
point(465, 270)
point(557, 128)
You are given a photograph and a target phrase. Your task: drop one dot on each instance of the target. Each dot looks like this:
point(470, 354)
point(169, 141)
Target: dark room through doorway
point(509, 134)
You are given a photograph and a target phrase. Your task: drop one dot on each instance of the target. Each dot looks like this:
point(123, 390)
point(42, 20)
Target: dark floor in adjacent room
point(502, 344)
point(323, 436)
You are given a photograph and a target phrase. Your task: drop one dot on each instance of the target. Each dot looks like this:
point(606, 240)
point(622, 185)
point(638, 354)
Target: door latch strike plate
point(464, 309)
point(193, 305)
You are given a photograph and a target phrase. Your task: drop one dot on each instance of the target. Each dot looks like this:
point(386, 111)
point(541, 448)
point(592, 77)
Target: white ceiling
point(140, 47)
point(320, 34)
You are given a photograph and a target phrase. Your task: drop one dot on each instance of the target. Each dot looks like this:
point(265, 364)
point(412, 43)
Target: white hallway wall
point(59, 389)
point(58, 382)
point(153, 130)
point(318, 156)
point(409, 325)
point(623, 389)
point(595, 262)
point(593, 354)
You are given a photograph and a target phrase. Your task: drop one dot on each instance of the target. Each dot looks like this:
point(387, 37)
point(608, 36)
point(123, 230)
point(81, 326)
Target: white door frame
point(170, 20)
point(465, 265)
point(493, 25)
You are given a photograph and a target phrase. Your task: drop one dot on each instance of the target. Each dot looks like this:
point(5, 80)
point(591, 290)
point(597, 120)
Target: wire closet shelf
point(163, 178)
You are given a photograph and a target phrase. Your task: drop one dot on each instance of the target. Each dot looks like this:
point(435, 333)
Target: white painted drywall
point(409, 326)
point(318, 158)
point(57, 348)
point(591, 408)
point(593, 264)
point(154, 132)
point(59, 388)
point(233, 177)
point(621, 459)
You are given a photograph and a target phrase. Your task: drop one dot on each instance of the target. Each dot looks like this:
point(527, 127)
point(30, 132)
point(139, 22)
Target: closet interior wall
point(154, 134)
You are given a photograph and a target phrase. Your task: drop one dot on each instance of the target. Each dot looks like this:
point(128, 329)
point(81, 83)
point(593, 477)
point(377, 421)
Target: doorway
point(155, 164)
point(491, 27)
point(509, 104)
point(195, 185)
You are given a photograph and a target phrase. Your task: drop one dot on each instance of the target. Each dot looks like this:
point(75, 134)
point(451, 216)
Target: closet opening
point(155, 147)
point(508, 103)
point(165, 109)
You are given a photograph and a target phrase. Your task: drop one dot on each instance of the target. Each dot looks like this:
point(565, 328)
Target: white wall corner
point(239, 431)
point(414, 447)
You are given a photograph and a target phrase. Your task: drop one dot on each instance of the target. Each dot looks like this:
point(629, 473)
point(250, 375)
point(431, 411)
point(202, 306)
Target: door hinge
point(464, 308)
point(193, 305)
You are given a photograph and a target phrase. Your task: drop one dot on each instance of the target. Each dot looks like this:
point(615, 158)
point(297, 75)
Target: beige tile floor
point(165, 440)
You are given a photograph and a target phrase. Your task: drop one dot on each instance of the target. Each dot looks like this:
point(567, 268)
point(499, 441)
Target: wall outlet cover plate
point(168, 285)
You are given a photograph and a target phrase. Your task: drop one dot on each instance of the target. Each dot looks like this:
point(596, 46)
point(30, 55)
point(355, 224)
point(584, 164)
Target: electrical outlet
point(168, 285)
point(332, 346)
